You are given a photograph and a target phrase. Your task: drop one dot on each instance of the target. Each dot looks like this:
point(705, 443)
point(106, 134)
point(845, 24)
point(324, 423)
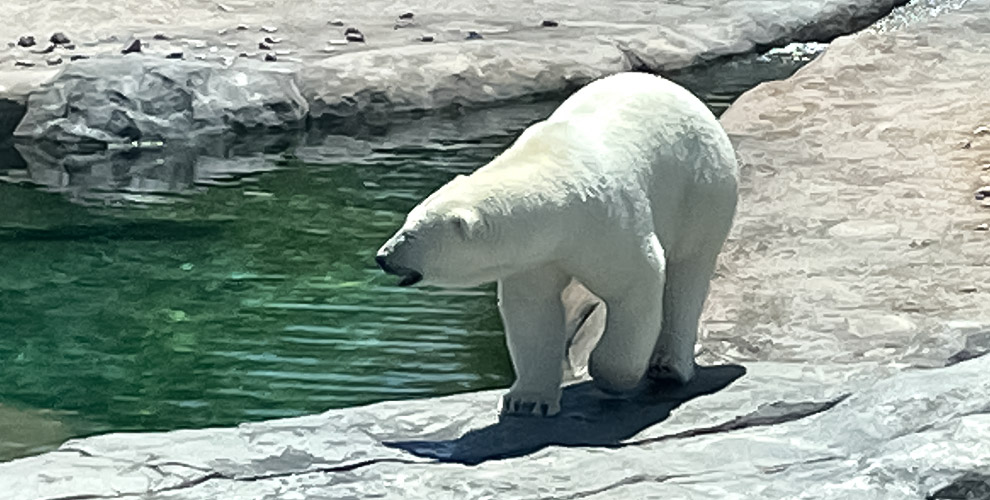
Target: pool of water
point(132, 300)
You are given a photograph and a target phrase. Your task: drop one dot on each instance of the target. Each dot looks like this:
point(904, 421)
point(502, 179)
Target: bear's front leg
point(533, 317)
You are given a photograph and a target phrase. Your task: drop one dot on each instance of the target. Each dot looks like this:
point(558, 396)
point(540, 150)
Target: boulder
point(136, 98)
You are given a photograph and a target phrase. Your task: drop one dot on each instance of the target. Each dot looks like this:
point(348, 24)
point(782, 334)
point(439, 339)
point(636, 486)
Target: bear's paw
point(535, 403)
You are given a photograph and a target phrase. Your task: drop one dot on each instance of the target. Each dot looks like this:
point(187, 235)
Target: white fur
point(629, 189)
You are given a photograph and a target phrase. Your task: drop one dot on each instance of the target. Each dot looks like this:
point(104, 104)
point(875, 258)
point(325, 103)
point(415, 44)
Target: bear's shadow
point(587, 418)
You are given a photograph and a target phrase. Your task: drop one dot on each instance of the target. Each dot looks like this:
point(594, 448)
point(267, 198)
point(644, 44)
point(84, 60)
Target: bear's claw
point(530, 404)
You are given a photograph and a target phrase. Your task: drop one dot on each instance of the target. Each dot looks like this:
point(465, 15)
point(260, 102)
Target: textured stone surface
point(392, 70)
point(152, 99)
point(779, 431)
point(855, 238)
point(856, 235)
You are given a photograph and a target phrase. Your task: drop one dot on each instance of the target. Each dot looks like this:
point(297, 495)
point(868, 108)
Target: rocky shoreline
point(859, 225)
point(139, 71)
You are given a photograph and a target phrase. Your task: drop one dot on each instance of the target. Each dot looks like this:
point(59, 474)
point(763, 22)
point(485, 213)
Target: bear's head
point(451, 239)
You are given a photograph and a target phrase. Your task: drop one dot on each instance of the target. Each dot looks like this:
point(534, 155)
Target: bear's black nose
point(382, 263)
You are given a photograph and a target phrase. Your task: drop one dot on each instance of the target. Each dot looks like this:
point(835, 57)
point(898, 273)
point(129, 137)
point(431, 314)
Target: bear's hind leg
point(632, 324)
point(684, 298)
point(533, 317)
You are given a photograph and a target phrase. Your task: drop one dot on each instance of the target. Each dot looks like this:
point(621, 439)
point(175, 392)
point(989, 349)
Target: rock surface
point(857, 199)
point(855, 180)
point(156, 99)
point(392, 70)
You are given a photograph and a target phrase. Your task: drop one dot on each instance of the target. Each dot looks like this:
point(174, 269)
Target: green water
point(246, 298)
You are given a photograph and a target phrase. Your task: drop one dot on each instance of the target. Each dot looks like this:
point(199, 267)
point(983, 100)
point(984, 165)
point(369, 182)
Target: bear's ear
point(468, 222)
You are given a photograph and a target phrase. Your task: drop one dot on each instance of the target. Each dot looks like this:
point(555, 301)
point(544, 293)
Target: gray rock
point(840, 257)
point(641, 35)
point(177, 100)
point(782, 430)
point(59, 39)
point(835, 411)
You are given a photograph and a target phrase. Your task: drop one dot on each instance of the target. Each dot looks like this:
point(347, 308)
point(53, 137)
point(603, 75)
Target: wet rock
point(549, 23)
point(59, 38)
point(132, 48)
point(473, 35)
point(155, 99)
point(26, 41)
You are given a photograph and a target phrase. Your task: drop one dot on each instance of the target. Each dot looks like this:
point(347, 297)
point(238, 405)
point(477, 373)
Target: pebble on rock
point(77, 57)
point(984, 130)
point(24, 64)
point(69, 46)
point(269, 29)
point(134, 46)
point(271, 57)
point(427, 38)
point(983, 227)
point(55, 61)
point(59, 38)
point(473, 35)
point(550, 23)
point(264, 46)
point(353, 35)
point(26, 41)
point(983, 192)
point(272, 40)
point(406, 16)
point(242, 27)
point(174, 55)
point(336, 22)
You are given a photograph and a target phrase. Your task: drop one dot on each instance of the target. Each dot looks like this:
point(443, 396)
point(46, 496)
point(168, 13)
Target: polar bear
point(629, 190)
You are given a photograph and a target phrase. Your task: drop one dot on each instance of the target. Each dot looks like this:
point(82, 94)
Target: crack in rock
point(638, 478)
point(771, 414)
point(260, 477)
